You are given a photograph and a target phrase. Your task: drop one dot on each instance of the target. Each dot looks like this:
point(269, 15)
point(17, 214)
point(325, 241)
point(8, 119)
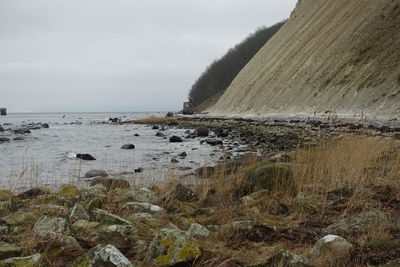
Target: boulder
point(269, 176)
point(8, 250)
point(68, 191)
point(143, 207)
point(128, 146)
point(330, 248)
point(202, 131)
point(155, 127)
point(175, 206)
point(282, 259)
point(19, 138)
point(181, 193)
point(2, 129)
point(48, 209)
point(106, 217)
point(198, 231)
point(160, 134)
point(168, 115)
point(103, 255)
point(183, 154)
point(116, 235)
point(4, 139)
point(214, 142)
point(110, 184)
point(170, 247)
point(78, 213)
point(19, 218)
point(140, 195)
point(96, 173)
point(50, 227)
point(175, 139)
point(31, 261)
point(363, 222)
point(85, 157)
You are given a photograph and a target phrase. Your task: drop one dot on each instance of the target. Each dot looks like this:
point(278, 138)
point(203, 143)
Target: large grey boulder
point(78, 213)
point(51, 227)
point(106, 217)
point(282, 259)
point(96, 173)
point(198, 231)
point(170, 247)
point(143, 207)
point(330, 248)
point(362, 222)
point(116, 235)
point(181, 193)
point(140, 195)
point(103, 255)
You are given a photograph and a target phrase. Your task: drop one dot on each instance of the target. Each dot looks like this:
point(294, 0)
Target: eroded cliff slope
point(339, 56)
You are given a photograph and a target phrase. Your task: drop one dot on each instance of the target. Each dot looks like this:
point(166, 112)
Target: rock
point(282, 259)
point(155, 127)
point(202, 131)
point(45, 125)
point(2, 129)
point(85, 157)
point(143, 207)
point(110, 184)
point(176, 206)
point(8, 250)
point(83, 229)
point(363, 222)
point(170, 247)
point(33, 193)
point(128, 146)
point(4, 139)
point(68, 241)
point(102, 255)
point(183, 154)
point(96, 173)
point(140, 195)
point(174, 161)
point(138, 170)
point(48, 209)
point(160, 134)
point(269, 176)
point(330, 248)
point(106, 217)
point(142, 216)
point(169, 114)
point(214, 142)
point(68, 191)
point(116, 235)
point(181, 193)
point(78, 213)
point(198, 231)
point(31, 261)
point(136, 134)
point(96, 192)
point(19, 218)
point(175, 139)
point(19, 138)
point(51, 227)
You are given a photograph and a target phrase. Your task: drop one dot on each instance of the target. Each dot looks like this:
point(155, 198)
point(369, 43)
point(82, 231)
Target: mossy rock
point(20, 218)
point(31, 261)
point(274, 178)
point(106, 217)
point(9, 250)
point(102, 256)
point(68, 191)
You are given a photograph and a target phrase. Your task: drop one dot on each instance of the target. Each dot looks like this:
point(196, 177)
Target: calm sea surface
point(46, 156)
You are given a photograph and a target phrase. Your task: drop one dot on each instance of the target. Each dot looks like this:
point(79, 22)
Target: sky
point(117, 55)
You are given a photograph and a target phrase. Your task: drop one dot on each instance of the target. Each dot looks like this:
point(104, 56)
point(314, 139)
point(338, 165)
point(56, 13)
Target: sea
point(46, 157)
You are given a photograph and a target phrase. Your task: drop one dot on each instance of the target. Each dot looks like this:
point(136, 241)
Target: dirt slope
point(341, 56)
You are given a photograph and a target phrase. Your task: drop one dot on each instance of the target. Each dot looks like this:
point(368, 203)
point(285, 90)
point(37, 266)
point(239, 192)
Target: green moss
point(68, 191)
point(189, 251)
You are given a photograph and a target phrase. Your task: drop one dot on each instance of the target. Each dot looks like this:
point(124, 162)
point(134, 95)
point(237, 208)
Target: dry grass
point(155, 120)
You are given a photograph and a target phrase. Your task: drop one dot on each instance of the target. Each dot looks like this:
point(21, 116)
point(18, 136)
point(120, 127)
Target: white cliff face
point(331, 56)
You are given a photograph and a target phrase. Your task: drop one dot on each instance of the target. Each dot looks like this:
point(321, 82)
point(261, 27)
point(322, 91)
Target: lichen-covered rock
point(330, 248)
point(282, 259)
point(20, 218)
point(31, 261)
point(48, 209)
point(110, 183)
point(68, 241)
point(140, 195)
point(265, 175)
point(104, 216)
point(143, 207)
point(116, 235)
point(97, 191)
point(78, 213)
point(68, 191)
point(84, 230)
point(102, 256)
point(172, 246)
point(181, 193)
point(362, 222)
point(8, 250)
point(198, 231)
point(51, 227)
point(176, 206)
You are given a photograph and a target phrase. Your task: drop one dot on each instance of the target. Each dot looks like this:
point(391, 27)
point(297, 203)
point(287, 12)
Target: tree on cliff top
point(219, 75)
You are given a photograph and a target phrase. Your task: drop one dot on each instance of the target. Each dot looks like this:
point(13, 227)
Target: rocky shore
point(284, 194)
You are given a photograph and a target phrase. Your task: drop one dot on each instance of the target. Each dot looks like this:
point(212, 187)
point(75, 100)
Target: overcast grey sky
point(117, 55)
